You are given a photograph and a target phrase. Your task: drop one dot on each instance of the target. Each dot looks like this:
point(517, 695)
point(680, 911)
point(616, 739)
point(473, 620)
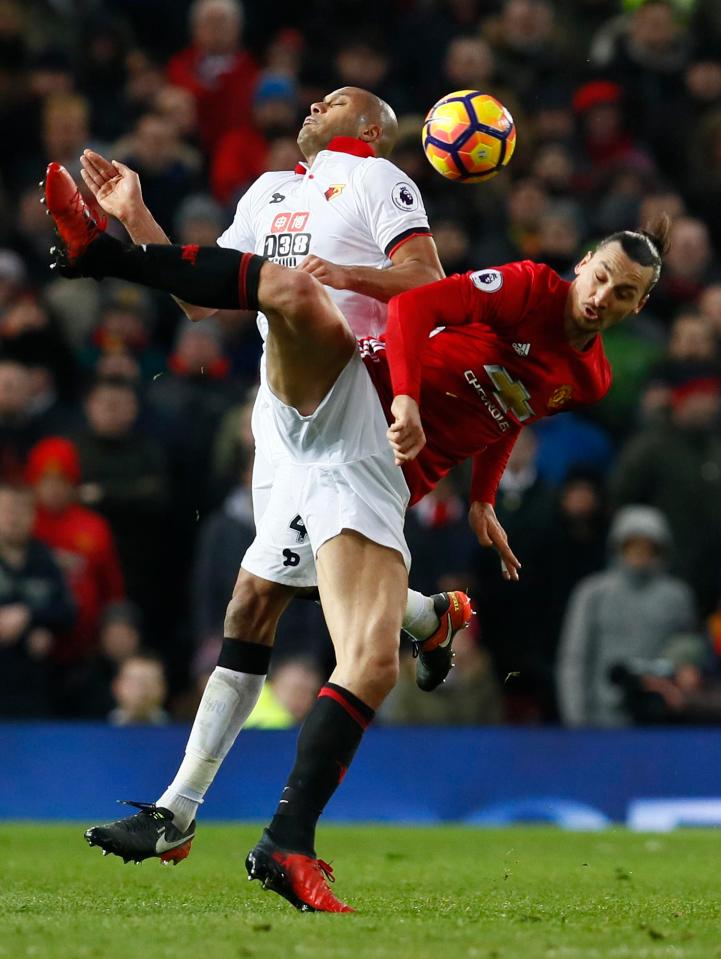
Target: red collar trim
point(352, 145)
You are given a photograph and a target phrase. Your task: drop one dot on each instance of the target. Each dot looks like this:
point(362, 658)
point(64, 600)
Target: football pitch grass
point(444, 892)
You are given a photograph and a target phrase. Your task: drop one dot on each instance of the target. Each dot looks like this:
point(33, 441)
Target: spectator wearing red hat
point(82, 541)
point(605, 141)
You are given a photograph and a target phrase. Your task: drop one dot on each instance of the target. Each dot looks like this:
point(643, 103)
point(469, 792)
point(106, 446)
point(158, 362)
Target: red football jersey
point(485, 354)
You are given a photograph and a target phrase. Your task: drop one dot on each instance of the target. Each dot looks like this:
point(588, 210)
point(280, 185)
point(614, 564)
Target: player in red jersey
point(484, 353)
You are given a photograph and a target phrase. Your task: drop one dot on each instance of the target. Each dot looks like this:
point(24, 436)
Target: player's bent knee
point(294, 292)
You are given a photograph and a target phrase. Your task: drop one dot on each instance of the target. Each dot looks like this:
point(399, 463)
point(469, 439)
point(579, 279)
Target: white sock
point(227, 702)
point(420, 618)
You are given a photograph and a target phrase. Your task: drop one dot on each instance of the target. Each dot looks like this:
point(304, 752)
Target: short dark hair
point(646, 247)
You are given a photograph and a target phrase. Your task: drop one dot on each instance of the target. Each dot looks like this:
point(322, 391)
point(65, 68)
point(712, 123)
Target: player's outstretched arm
point(415, 263)
point(117, 189)
point(489, 532)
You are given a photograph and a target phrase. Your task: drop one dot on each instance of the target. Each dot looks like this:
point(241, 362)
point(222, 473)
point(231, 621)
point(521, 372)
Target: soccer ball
point(468, 136)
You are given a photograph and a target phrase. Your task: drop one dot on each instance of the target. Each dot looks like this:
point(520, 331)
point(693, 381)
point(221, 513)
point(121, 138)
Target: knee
point(375, 669)
point(295, 292)
point(252, 613)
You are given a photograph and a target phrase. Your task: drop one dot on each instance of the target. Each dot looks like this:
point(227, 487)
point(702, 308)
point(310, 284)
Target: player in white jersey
point(355, 222)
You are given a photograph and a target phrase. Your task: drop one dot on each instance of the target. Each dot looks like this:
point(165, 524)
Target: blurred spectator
point(241, 154)
point(125, 326)
point(140, 688)
point(440, 538)
point(691, 341)
point(200, 220)
point(471, 696)
point(512, 615)
point(577, 542)
point(34, 606)
point(224, 537)
point(215, 68)
point(676, 467)
point(709, 303)
point(66, 130)
point(618, 617)
point(287, 696)
point(88, 688)
point(529, 43)
point(678, 687)
point(192, 398)
point(168, 167)
point(606, 143)
point(646, 52)
point(16, 433)
point(688, 267)
point(125, 478)
point(81, 540)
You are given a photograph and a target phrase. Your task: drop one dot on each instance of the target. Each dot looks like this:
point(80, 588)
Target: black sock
point(244, 657)
point(202, 275)
point(327, 743)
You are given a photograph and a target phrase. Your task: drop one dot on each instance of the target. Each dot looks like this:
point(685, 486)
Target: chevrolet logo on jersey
point(511, 394)
point(334, 190)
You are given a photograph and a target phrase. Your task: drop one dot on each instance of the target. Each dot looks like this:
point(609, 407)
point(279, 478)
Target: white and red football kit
point(353, 209)
point(484, 354)
point(348, 207)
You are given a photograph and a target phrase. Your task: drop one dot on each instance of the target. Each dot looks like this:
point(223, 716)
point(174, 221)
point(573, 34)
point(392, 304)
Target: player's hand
point(114, 185)
point(327, 273)
point(489, 531)
point(405, 434)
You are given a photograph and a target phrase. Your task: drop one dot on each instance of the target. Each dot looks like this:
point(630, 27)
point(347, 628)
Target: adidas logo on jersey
point(523, 349)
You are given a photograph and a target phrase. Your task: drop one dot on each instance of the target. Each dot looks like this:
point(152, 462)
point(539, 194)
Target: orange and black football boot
point(435, 654)
point(147, 834)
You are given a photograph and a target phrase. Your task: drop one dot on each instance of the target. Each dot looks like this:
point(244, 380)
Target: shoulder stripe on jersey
point(403, 237)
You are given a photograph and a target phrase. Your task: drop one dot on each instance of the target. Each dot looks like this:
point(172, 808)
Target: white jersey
point(348, 207)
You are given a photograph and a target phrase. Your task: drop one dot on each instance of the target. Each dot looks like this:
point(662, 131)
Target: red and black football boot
point(147, 834)
point(300, 879)
point(435, 654)
point(76, 227)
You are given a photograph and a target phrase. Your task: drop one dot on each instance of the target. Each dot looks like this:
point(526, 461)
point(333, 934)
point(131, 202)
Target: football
point(468, 136)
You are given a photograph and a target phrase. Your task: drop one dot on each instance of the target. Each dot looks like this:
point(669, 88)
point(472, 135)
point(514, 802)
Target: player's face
point(608, 287)
point(343, 113)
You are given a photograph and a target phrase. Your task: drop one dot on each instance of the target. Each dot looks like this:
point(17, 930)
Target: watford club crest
point(560, 396)
point(334, 190)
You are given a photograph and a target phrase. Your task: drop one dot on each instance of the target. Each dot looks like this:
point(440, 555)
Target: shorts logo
point(487, 280)
point(560, 396)
point(334, 190)
point(404, 197)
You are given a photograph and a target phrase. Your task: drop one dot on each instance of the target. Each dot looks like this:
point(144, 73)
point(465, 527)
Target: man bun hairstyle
point(646, 247)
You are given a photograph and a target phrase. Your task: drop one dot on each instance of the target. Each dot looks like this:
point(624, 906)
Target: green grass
point(446, 892)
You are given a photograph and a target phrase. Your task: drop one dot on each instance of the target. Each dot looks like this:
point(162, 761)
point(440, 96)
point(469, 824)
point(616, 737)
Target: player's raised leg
point(364, 621)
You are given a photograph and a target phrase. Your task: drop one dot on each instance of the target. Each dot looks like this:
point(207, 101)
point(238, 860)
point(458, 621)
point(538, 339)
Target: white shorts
point(332, 470)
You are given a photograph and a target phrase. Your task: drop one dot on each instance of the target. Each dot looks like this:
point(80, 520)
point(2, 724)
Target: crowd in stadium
point(125, 443)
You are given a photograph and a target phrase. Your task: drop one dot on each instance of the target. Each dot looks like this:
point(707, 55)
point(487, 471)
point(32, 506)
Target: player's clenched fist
point(405, 434)
point(327, 273)
point(114, 185)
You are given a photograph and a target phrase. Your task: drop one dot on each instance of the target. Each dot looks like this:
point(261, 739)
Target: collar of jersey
point(352, 145)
